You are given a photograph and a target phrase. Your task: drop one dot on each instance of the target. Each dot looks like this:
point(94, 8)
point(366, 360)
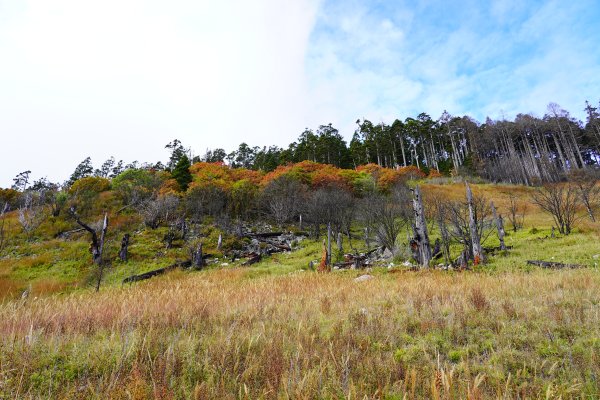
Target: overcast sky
point(85, 78)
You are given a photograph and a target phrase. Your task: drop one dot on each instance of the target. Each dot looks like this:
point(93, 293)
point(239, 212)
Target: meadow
point(503, 330)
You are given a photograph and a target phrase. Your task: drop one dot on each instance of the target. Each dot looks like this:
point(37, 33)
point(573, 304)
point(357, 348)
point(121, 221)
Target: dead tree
point(420, 230)
point(3, 234)
point(97, 246)
point(124, 247)
point(499, 226)
point(197, 256)
point(560, 201)
point(329, 244)
point(220, 242)
point(340, 244)
point(516, 214)
point(475, 239)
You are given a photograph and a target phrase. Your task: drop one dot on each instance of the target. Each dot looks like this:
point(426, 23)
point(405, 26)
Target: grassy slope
point(275, 330)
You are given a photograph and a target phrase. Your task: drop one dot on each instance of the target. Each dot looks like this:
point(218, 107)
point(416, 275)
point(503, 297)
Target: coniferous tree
point(181, 172)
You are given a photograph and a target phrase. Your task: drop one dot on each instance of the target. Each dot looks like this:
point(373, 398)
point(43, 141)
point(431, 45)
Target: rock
point(224, 264)
point(596, 256)
point(387, 254)
point(363, 278)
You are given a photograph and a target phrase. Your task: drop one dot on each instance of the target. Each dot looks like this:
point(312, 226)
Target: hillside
point(501, 328)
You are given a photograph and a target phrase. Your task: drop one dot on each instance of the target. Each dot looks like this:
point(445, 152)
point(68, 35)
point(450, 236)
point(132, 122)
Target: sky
point(123, 78)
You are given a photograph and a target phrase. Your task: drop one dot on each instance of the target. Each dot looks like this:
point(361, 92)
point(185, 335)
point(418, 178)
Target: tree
point(216, 155)
point(177, 152)
point(3, 231)
point(585, 182)
point(283, 198)
point(83, 170)
point(21, 181)
point(181, 172)
point(560, 201)
point(31, 213)
point(97, 246)
point(159, 210)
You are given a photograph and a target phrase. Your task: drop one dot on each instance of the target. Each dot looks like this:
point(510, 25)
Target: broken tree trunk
point(323, 267)
point(340, 244)
point(124, 247)
point(197, 256)
point(420, 229)
point(499, 226)
point(100, 263)
point(329, 245)
point(150, 274)
point(220, 242)
point(554, 265)
point(475, 239)
point(97, 246)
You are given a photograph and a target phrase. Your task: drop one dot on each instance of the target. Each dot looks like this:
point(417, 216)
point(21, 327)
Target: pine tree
point(181, 172)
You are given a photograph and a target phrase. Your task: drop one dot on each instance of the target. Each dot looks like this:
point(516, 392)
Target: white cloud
point(124, 77)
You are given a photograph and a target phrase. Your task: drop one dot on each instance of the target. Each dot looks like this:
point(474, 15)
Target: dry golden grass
point(221, 334)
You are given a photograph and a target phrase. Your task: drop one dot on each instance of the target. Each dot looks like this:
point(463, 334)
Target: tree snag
point(421, 239)
point(475, 239)
point(124, 247)
point(499, 226)
point(97, 246)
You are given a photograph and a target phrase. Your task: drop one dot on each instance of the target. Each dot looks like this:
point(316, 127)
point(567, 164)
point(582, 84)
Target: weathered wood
point(323, 266)
point(475, 239)
point(423, 248)
point(124, 247)
point(499, 226)
point(554, 265)
point(160, 271)
point(220, 242)
point(197, 256)
point(100, 263)
point(253, 259)
point(95, 245)
point(329, 245)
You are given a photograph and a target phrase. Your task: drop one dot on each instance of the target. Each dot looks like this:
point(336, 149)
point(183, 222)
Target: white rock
point(224, 264)
point(363, 278)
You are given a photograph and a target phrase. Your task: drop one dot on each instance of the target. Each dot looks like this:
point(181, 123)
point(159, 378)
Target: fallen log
point(160, 271)
point(554, 265)
point(253, 259)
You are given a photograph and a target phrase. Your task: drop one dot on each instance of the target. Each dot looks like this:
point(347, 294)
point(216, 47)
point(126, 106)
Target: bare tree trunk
point(329, 244)
point(339, 242)
point(499, 226)
point(197, 256)
point(475, 239)
point(124, 247)
point(220, 242)
point(101, 249)
point(420, 228)
point(3, 212)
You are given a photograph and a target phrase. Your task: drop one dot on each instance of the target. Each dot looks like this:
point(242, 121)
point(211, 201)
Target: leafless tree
point(31, 214)
point(159, 210)
point(204, 201)
point(560, 201)
point(388, 215)
point(460, 217)
point(586, 184)
point(3, 231)
point(97, 245)
point(283, 198)
point(440, 209)
point(516, 212)
point(330, 205)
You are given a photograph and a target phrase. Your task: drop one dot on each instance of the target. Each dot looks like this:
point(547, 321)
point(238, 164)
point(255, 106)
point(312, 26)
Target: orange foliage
point(218, 174)
point(434, 173)
point(170, 186)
